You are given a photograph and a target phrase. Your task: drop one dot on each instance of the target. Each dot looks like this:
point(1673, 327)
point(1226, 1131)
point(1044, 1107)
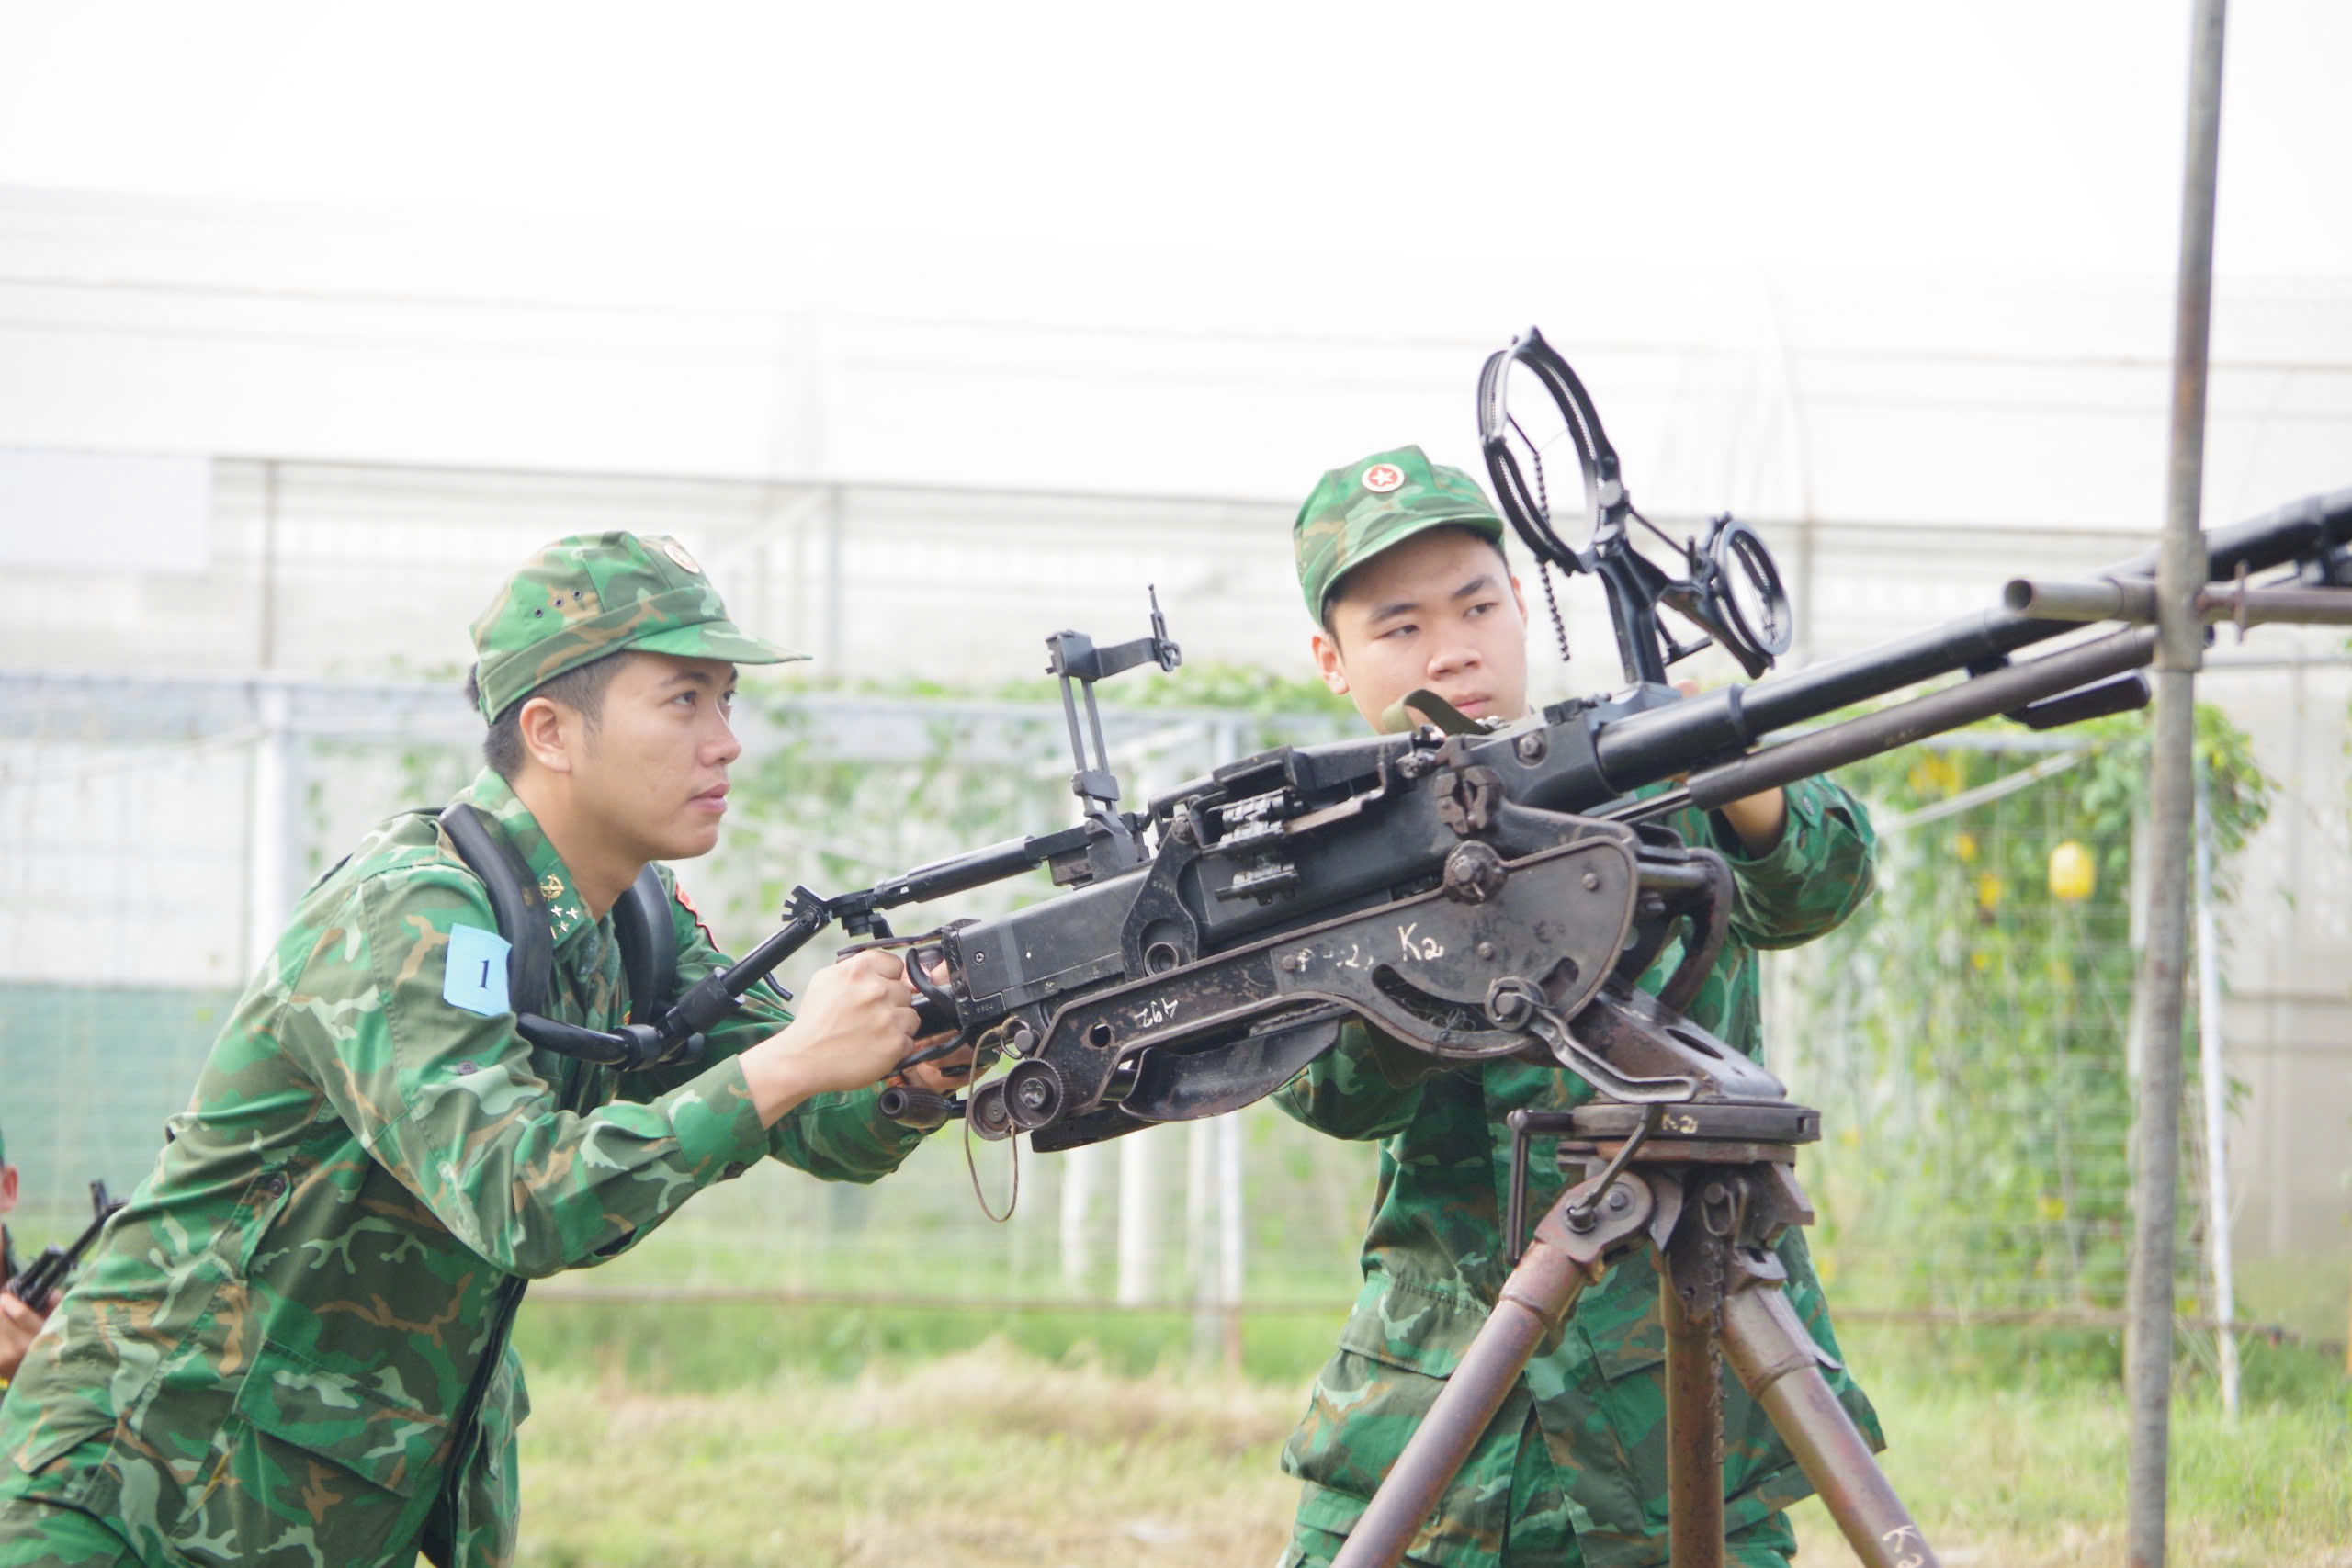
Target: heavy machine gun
point(1480, 894)
point(1483, 893)
point(1472, 892)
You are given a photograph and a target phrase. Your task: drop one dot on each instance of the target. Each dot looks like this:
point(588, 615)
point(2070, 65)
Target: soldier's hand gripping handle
point(857, 1021)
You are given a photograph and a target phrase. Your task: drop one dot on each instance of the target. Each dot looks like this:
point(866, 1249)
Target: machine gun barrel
point(1982, 698)
point(2285, 534)
point(1645, 748)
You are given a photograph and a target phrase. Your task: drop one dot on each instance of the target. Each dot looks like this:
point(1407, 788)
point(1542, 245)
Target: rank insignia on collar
point(550, 887)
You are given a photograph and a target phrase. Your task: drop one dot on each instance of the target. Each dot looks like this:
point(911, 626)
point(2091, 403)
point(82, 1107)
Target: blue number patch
point(476, 978)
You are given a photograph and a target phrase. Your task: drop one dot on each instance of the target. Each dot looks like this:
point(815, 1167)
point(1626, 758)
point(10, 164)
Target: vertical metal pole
point(1202, 1260)
point(268, 852)
point(833, 575)
point(1078, 1169)
point(1233, 1230)
point(803, 512)
point(1141, 1226)
point(1694, 1430)
point(265, 649)
point(1807, 646)
point(2213, 1081)
point(2181, 566)
point(2279, 1146)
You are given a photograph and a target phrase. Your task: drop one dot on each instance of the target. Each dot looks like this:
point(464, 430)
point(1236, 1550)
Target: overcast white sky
point(1057, 234)
point(2018, 137)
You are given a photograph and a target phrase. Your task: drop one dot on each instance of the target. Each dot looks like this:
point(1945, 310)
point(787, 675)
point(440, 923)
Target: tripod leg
point(1778, 1361)
point(1539, 1294)
point(1694, 1434)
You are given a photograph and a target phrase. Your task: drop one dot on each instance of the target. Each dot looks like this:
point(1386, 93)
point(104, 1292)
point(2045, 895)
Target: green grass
point(732, 1433)
point(2307, 1292)
point(987, 1457)
point(713, 1347)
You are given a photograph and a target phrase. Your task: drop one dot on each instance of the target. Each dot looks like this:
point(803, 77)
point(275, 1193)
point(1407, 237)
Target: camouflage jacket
point(1433, 1255)
point(265, 1357)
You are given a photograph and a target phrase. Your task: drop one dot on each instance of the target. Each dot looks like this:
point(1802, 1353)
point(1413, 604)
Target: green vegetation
point(1965, 1035)
point(1038, 1456)
point(712, 1347)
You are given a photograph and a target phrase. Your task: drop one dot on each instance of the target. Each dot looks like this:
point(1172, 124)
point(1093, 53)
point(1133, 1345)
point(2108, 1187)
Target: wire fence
point(1965, 1037)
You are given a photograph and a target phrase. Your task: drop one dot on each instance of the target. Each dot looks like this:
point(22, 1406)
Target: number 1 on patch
point(475, 978)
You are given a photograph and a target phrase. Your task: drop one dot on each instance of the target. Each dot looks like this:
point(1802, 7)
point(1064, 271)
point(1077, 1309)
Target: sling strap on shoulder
point(648, 946)
point(641, 923)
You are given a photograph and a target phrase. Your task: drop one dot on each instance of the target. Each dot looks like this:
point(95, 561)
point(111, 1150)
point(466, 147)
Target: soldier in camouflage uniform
point(20, 1321)
point(1401, 563)
point(292, 1346)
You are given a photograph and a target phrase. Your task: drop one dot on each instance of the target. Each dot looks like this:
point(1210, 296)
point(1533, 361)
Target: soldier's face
point(650, 777)
point(1440, 610)
point(8, 1188)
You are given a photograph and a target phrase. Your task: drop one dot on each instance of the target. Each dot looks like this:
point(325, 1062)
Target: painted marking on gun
point(1160, 1011)
point(1418, 948)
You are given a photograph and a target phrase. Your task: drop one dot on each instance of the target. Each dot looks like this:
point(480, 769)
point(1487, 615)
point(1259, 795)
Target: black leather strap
point(515, 903)
point(649, 947)
point(641, 922)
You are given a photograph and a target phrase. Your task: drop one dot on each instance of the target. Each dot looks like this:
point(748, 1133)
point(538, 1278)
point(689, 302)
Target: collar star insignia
point(566, 916)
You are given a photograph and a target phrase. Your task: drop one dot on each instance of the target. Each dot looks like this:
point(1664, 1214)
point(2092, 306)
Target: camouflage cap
point(592, 594)
point(1360, 510)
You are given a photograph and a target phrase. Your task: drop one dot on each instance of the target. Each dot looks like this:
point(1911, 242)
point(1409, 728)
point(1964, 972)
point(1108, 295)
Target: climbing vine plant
point(1966, 1034)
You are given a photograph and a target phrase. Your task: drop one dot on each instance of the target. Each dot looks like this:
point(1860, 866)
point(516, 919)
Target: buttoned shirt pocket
point(311, 1465)
point(53, 1440)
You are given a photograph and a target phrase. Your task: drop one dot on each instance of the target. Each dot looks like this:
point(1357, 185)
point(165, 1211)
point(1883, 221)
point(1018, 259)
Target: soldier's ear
point(8, 1188)
point(1328, 664)
point(546, 736)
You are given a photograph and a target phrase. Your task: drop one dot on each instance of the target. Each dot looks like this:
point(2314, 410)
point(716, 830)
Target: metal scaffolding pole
point(2181, 570)
point(2212, 1080)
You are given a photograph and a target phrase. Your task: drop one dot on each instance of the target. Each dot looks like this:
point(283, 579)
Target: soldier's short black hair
point(581, 690)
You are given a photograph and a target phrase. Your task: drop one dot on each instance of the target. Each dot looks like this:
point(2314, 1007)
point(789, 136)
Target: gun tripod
point(1709, 1185)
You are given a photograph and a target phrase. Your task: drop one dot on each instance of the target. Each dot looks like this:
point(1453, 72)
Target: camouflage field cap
point(1360, 510)
point(591, 594)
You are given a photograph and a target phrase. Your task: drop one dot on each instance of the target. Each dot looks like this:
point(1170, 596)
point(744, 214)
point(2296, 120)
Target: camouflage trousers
point(1538, 1532)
